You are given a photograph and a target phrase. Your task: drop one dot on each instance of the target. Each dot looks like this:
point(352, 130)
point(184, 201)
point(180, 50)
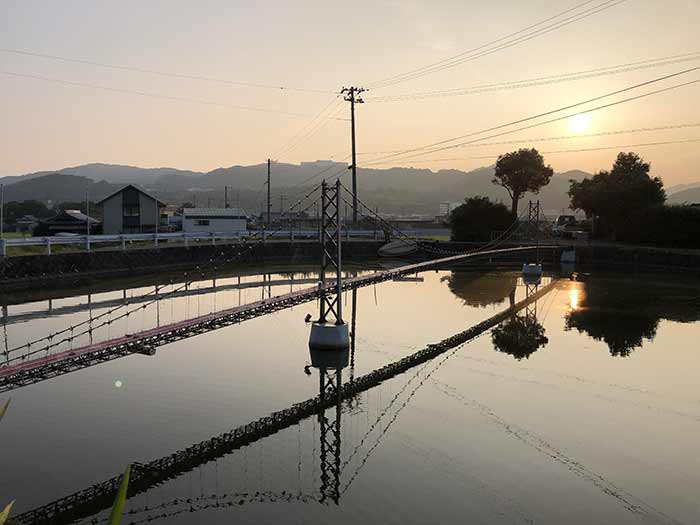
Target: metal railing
point(125, 241)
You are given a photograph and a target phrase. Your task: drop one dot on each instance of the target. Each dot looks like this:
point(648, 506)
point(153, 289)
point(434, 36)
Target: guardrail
point(124, 241)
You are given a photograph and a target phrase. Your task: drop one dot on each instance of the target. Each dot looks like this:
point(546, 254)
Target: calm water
point(584, 409)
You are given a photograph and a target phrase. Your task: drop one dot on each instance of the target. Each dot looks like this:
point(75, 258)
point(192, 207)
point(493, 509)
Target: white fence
point(125, 241)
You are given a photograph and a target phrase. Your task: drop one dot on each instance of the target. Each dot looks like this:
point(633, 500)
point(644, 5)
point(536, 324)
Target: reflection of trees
point(519, 337)
point(481, 289)
point(621, 331)
point(623, 312)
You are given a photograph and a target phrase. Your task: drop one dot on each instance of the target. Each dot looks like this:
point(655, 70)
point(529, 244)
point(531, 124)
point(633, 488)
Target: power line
point(575, 150)
point(506, 37)
point(156, 95)
point(331, 110)
point(485, 49)
point(568, 137)
point(538, 81)
point(546, 113)
point(163, 73)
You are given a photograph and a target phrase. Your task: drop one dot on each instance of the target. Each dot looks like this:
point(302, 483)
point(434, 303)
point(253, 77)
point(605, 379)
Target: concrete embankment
point(66, 269)
point(58, 269)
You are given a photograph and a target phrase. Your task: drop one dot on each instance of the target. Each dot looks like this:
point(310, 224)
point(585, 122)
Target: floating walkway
point(99, 497)
point(145, 342)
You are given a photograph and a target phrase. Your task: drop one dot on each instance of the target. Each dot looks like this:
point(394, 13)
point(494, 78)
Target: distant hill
point(689, 196)
point(56, 188)
point(681, 187)
point(396, 190)
point(113, 173)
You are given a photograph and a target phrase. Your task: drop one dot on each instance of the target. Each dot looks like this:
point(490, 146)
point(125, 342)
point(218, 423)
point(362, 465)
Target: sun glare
point(580, 123)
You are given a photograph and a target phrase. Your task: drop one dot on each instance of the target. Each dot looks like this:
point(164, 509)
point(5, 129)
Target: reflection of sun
point(580, 123)
point(573, 298)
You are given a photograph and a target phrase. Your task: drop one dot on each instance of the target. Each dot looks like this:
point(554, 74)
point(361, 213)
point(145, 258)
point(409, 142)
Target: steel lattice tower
point(331, 253)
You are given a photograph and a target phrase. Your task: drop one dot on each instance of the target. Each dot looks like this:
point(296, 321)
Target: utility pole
point(2, 211)
point(87, 213)
point(352, 96)
point(269, 217)
point(225, 196)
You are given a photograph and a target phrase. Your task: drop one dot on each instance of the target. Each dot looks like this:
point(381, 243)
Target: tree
point(477, 218)
point(619, 196)
point(521, 171)
point(16, 210)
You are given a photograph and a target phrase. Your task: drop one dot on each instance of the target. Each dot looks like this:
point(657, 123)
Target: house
point(211, 220)
point(130, 210)
point(69, 221)
point(26, 224)
point(285, 218)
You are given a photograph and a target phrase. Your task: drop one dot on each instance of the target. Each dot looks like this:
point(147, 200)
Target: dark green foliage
point(16, 210)
point(520, 172)
point(474, 220)
point(519, 336)
point(618, 199)
point(671, 226)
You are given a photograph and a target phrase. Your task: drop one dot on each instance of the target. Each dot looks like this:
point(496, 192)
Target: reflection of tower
point(324, 334)
point(330, 364)
point(531, 286)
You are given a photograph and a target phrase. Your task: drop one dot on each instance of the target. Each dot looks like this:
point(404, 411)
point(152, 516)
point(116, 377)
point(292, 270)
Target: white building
point(212, 220)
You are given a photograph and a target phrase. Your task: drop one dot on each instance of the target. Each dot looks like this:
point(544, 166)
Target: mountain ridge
point(396, 190)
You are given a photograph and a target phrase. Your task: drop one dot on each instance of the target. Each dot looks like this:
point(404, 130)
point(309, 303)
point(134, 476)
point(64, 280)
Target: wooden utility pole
point(269, 218)
point(225, 196)
point(352, 96)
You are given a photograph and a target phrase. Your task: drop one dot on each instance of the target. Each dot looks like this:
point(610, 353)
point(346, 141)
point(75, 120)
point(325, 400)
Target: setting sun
point(580, 123)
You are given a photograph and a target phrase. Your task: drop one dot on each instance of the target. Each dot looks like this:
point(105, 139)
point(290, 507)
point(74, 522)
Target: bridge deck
point(40, 369)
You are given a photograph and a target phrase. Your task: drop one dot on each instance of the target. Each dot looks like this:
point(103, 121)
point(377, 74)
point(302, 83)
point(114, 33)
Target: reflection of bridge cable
point(401, 407)
point(69, 339)
point(97, 497)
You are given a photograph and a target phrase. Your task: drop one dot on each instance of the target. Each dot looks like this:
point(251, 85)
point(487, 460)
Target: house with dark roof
point(130, 210)
point(70, 221)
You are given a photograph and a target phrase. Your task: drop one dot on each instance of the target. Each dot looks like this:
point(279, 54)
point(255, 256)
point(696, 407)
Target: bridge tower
point(330, 332)
point(533, 270)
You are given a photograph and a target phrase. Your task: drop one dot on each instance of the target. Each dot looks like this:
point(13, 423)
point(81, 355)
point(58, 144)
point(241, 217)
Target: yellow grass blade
point(6, 513)
point(4, 409)
point(118, 507)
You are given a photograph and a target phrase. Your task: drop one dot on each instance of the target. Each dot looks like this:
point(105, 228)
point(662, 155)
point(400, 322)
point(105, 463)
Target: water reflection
point(521, 335)
point(481, 289)
point(624, 313)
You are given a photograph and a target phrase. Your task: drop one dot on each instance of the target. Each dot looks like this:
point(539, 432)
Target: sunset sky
point(321, 46)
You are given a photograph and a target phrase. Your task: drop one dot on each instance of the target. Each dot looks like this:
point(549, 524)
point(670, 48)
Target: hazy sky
point(324, 45)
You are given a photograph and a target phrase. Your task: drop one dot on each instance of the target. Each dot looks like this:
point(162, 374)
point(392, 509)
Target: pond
point(583, 407)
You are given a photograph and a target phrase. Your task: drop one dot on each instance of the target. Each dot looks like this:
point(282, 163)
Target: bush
point(670, 226)
point(474, 220)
